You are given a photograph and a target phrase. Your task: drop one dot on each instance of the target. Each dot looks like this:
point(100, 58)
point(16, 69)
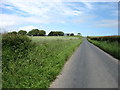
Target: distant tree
point(68, 34)
point(30, 33)
point(22, 32)
point(42, 33)
point(51, 33)
point(56, 33)
point(72, 34)
point(13, 32)
point(34, 32)
point(79, 34)
point(60, 33)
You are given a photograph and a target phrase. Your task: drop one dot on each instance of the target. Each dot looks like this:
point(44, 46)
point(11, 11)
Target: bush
point(42, 64)
point(106, 38)
point(15, 46)
point(112, 48)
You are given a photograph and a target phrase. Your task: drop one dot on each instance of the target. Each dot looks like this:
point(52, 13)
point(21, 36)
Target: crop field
point(48, 39)
point(110, 44)
point(34, 62)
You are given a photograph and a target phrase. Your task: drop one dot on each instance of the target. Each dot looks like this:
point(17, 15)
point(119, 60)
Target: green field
point(38, 66)
point(47, 39)
point(112, 48)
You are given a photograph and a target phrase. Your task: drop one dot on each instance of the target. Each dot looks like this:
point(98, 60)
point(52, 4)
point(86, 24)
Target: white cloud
point(85, 18)
point(108, 23)
point(28, 28)
point(40, 8)
point(44, 12)
point(67, 0)
point(13, 19)
point(115, 12)
point(36, 12)
point(8, 20)
point(90, 0)
point(88, 5)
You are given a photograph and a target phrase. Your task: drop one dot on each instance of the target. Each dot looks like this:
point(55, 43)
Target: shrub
point(106, 38)
point(41, 66)
point(15, 46)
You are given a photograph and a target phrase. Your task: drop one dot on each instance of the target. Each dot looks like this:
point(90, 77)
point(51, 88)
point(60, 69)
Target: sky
point(88, 18)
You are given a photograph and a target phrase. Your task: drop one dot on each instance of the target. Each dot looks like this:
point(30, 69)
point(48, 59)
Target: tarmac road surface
point(88, 67)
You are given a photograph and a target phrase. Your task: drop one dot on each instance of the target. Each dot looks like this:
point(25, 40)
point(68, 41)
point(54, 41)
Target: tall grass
point(47, 39)
point(112, 48)
point(42, 64)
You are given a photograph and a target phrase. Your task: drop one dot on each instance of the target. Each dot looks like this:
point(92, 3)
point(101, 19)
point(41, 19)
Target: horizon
point(87, 18)
point(63, 32)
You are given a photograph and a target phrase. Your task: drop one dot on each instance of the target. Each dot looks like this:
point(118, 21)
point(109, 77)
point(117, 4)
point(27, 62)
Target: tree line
point(37, 32)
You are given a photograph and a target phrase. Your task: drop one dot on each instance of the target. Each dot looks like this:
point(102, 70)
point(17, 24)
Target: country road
point(88, 67)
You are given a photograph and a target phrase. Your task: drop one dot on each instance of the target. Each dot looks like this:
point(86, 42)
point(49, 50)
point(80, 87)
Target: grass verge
point(113, 48)
point(41, 65)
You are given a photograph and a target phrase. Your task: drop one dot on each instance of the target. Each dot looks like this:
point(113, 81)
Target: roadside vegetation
point(0, 46)
point(110, 44)
point(0, 61)
point(34, 61)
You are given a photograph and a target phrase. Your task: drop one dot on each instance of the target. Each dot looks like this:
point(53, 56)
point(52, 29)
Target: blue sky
point(88, 18)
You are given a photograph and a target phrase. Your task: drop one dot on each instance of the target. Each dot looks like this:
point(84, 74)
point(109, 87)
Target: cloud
point(83, 18)
point(90, 0)
point(13, 19)
point(28, 28)
point(35, 12)
point(9, 22)
point(31, 12)
point(40, 8)
point(108, 23)
point(88, 5)
point(115, 12)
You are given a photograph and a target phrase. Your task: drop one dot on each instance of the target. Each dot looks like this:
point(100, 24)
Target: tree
point(68, 34)
point(34, 32)
point(30, 33)
point(51, 33)
point(79, 34)
point(42, 33)
point(72, 34)
point(61, 33)
point(14, 32)
point(22, 32)
point(56, 33)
